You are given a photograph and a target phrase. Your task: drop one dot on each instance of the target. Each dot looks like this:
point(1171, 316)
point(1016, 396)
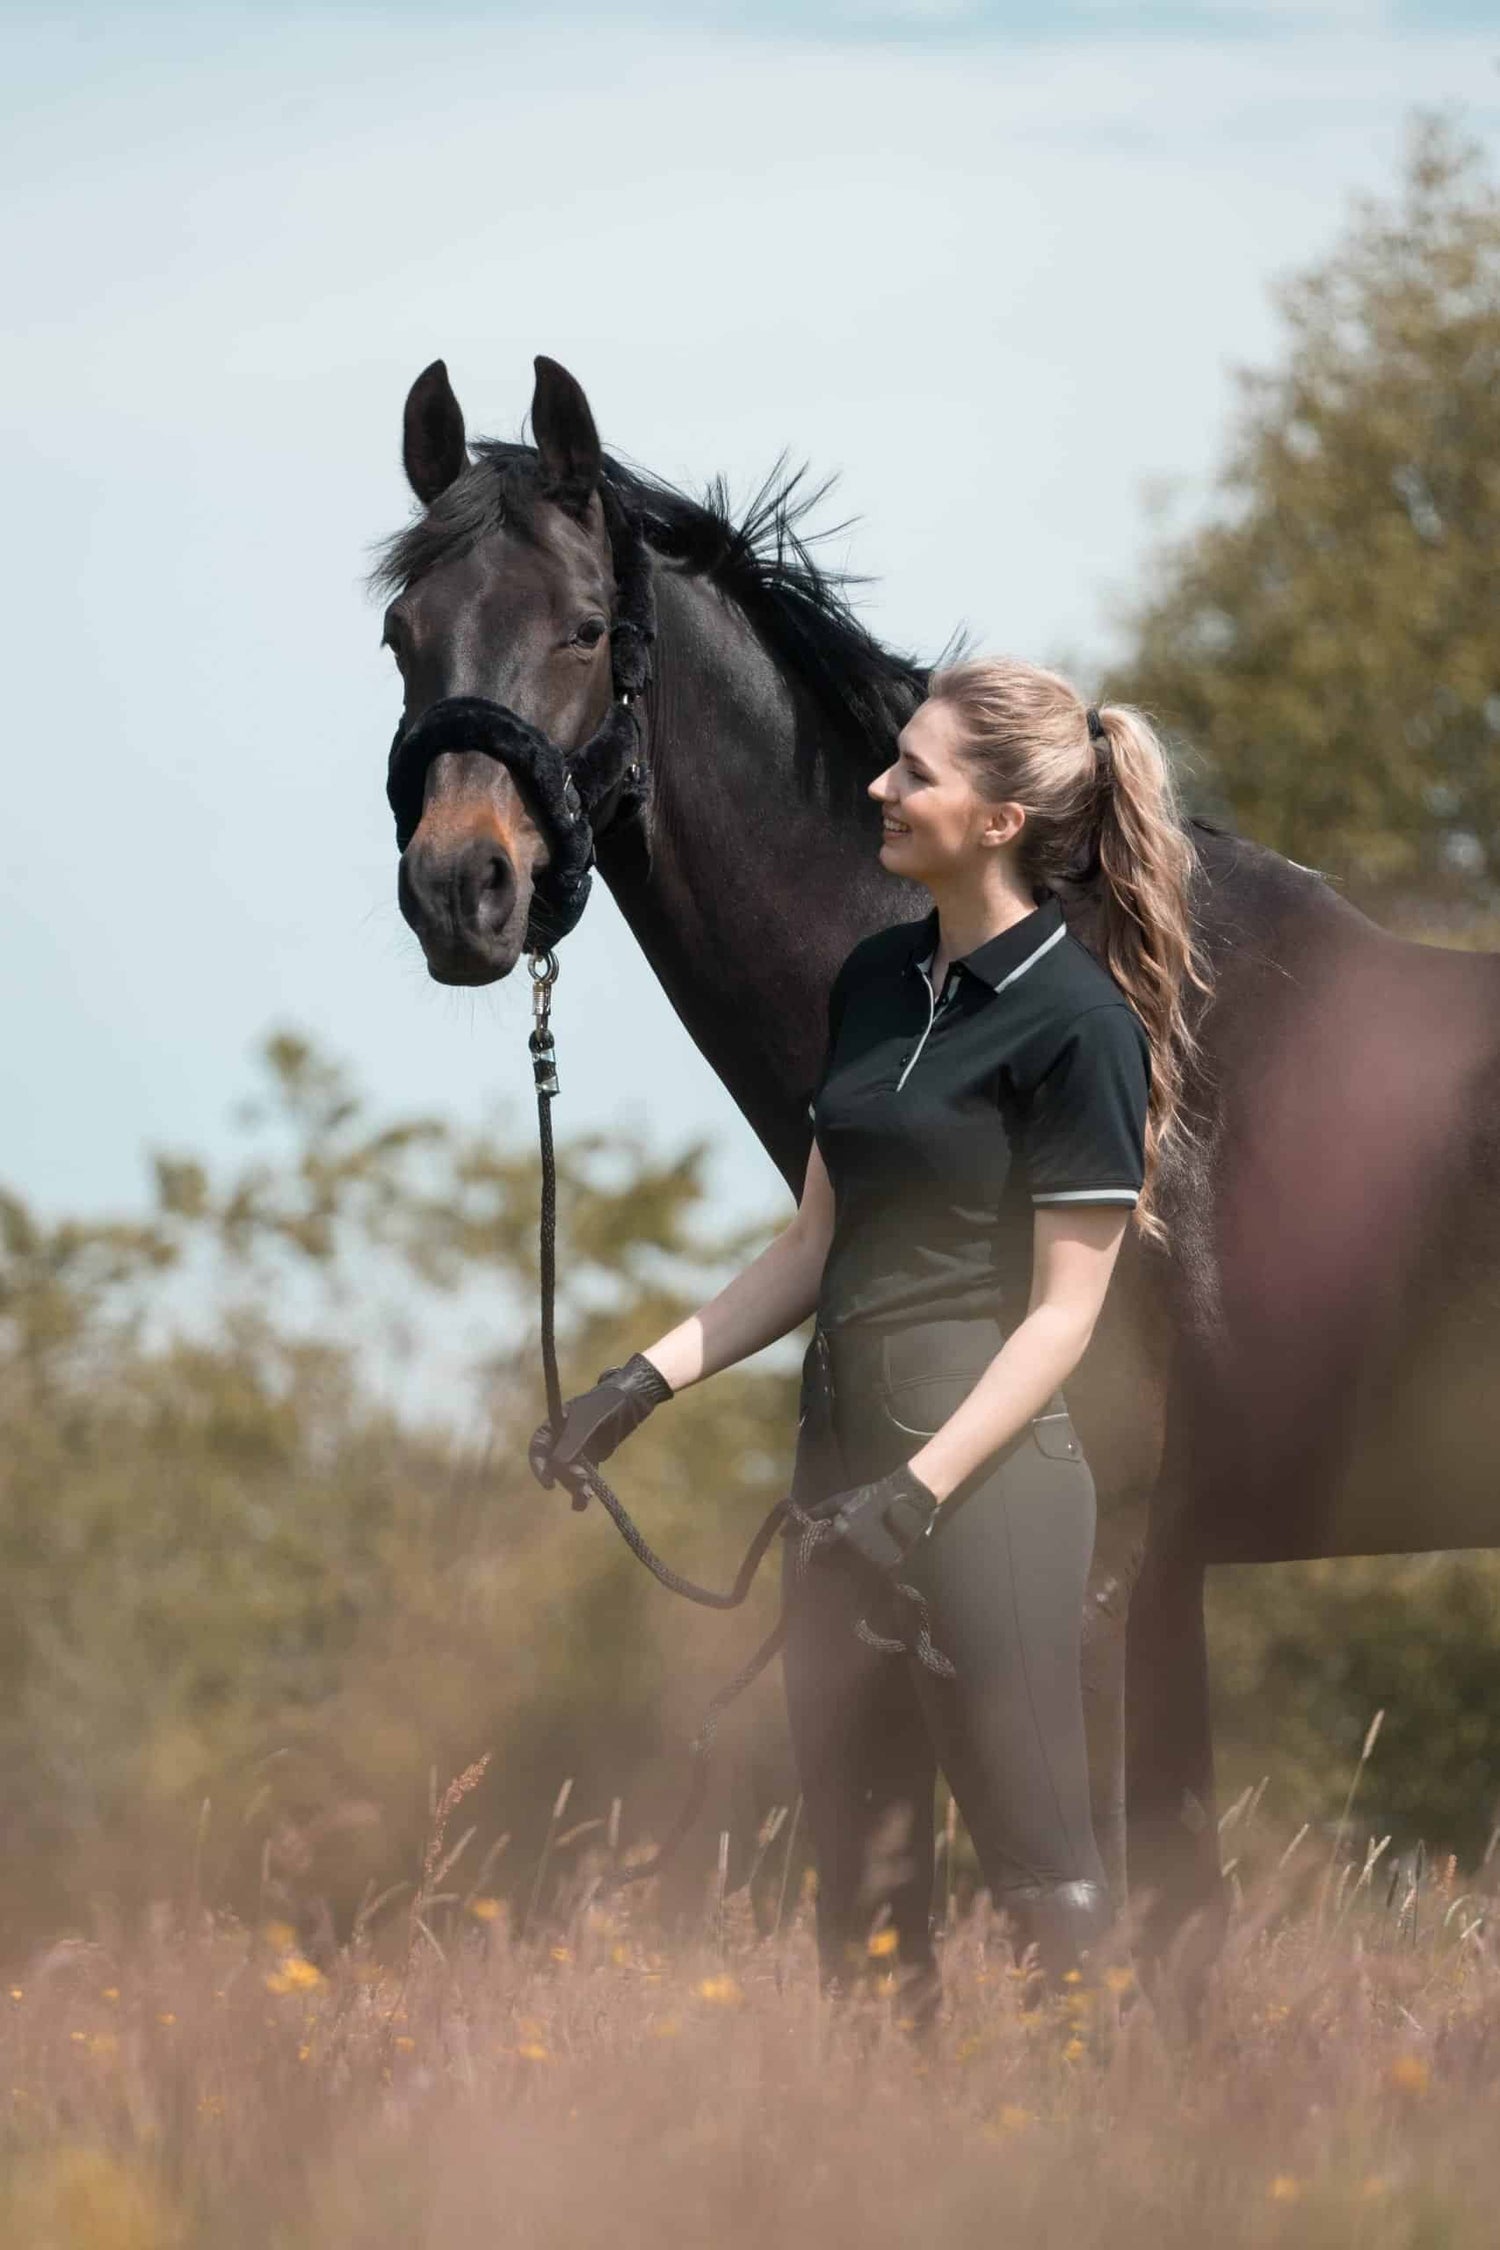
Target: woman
point(994, 1106)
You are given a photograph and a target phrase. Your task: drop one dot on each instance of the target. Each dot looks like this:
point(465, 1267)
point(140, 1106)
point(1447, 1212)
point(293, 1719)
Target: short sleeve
point(838, 993)
point(1083, 1128)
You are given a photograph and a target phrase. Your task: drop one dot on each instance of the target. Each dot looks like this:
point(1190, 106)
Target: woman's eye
point(590, 633)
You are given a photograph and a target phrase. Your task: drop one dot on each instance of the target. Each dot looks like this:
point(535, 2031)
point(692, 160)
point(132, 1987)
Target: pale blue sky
point(991, 264)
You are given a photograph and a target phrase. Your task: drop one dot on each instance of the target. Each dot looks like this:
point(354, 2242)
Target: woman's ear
point(1003, 824)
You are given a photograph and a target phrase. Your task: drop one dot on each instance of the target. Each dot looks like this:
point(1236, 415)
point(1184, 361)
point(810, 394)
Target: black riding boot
point(1065, 1922)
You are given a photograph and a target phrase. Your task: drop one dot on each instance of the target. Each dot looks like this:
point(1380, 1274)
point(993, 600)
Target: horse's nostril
point(488, 891)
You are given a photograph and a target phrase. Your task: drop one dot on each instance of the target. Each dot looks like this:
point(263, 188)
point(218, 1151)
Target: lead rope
point(585, 1482)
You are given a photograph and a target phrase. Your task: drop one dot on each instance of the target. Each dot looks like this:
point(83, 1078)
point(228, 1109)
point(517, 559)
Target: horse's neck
point(750, 894)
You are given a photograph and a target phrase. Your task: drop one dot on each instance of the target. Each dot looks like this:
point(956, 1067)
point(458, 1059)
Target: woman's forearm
point(1035, 1360)
point(774, 1293)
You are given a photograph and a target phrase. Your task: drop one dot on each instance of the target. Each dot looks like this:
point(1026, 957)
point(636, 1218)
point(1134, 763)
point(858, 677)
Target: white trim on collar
point(1031, 959)
point(1055, 938)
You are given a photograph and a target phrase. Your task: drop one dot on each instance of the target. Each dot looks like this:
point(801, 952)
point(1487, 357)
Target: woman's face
point(935, 823)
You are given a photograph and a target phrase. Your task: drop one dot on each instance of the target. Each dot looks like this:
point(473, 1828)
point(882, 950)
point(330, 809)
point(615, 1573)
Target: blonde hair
point(1101, 817)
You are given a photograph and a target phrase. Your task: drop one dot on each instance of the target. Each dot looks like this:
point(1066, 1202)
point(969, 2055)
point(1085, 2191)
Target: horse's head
point(506, 591)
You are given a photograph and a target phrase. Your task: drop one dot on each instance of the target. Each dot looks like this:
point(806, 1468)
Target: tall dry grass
point(448, 2080)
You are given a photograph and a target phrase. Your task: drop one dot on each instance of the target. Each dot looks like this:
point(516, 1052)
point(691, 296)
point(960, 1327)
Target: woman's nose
point(879, 787)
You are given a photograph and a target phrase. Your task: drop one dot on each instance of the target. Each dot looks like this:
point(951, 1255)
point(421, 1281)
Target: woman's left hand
point(881, 1521)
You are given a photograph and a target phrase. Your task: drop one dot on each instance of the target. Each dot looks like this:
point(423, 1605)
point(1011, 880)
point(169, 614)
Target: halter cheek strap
point(564, 792)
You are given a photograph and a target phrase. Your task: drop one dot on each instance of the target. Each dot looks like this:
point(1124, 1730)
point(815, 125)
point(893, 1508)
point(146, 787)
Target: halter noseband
point(564, 791)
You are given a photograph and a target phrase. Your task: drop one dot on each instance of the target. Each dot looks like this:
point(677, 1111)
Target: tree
point(1329, 641)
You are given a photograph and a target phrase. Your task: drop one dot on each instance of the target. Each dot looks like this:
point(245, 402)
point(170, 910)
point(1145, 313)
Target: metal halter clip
point(543, 967)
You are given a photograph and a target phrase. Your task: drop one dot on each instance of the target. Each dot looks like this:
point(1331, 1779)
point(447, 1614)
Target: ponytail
point(1101, 820)
point(1145, 930)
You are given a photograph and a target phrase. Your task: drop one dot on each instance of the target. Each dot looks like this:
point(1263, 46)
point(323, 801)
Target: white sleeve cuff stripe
point(1090, 1195)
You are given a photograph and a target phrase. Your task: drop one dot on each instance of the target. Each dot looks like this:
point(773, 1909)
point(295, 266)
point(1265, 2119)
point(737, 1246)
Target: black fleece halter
point(563, 791)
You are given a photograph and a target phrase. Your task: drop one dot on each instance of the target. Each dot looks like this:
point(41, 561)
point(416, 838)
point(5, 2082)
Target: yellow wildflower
point(167, 2018)
point(1014, 2119)
point(403, 2045)
point(280, 1937)
point(295, 1975)
point(562, 1953)
point(723, 1991)
point(1075, 2050)
point(1409, 2074)
point(1284, 2189)
point(883, 1942)
point(110, 1992)
point(533, 2053)
point(485, 1909)
point(668, 2028)
point(1374, 2187)
point(1118, 1980)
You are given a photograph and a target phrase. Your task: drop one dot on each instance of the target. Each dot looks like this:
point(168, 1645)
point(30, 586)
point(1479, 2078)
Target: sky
point(993, 265)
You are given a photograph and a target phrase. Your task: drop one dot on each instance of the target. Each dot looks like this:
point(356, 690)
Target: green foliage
point(233, 1571)
point(1305, 1654)
point(1329, 643)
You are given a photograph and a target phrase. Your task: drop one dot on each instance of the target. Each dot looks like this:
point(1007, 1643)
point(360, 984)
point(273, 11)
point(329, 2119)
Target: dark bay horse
point(1309, 1372)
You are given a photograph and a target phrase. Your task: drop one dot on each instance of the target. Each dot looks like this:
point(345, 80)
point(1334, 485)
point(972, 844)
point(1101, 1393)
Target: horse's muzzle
point(463, 899)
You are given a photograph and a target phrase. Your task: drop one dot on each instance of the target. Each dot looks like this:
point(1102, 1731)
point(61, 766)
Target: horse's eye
point(590, 633)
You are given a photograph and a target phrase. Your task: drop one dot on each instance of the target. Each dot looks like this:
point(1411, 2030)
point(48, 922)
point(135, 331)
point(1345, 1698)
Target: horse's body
point(1306, 1373)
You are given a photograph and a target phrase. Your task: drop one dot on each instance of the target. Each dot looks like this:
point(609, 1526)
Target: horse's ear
point(433, 448)
point(565, 435)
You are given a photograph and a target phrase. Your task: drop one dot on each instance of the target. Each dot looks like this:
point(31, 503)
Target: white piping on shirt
point(921, 1043)
point(1019, 971)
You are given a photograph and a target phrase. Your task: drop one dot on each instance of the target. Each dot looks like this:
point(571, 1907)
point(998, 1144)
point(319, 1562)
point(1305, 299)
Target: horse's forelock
point(500, 487)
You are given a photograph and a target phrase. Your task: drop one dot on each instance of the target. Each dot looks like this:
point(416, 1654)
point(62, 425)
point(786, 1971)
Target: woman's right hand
point(595, 1422)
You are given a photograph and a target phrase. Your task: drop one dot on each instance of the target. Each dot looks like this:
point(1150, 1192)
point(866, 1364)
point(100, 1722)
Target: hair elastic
point(1104, 750)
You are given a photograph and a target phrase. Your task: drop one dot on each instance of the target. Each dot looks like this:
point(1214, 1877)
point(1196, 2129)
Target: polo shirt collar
point(999, 957)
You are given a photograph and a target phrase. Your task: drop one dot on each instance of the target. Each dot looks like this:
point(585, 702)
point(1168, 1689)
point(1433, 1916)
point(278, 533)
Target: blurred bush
point(249, 1606)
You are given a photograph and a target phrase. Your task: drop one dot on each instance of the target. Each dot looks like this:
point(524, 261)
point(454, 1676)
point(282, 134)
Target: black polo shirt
point(945, 1119)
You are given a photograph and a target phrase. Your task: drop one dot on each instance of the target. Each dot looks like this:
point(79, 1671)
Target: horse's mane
point(761, 557)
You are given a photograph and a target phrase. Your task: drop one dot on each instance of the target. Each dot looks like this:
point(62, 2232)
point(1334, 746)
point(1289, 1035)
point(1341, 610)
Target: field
point(448, 2079)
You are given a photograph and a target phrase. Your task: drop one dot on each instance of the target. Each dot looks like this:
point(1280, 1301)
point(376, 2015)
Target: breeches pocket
point(926, 1374)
